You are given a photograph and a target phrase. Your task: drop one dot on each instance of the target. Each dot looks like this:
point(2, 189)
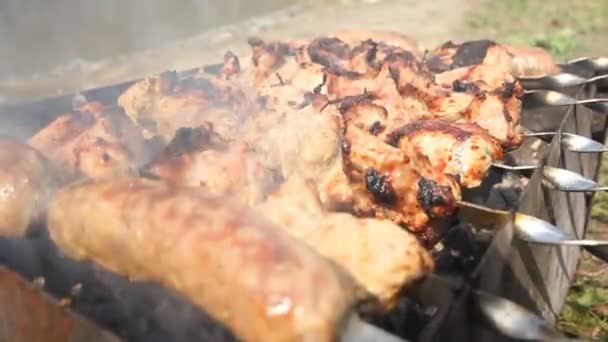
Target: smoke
point(39, 35)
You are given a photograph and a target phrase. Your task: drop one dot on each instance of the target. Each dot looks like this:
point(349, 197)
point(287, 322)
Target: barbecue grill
point(82, 302)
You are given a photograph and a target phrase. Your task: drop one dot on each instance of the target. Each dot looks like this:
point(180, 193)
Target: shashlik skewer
point(92, 241)
point(237, 266)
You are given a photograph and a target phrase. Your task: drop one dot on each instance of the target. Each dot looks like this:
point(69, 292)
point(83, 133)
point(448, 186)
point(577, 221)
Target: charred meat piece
point(141, 100)
point(199, 157)
point(94, 142)
point(237, 266)
point(478, 79)
point(282, 74)
point(384, 37)
point(306, 142)
point(230, 67)
point(408, 94)
point(27, 181)
point(161, 110)
point(516, 60)
point(382, 257)
point(465, 151)
point(386, 183)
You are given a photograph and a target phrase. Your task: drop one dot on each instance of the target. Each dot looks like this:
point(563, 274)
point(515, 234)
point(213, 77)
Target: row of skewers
point(346, 77)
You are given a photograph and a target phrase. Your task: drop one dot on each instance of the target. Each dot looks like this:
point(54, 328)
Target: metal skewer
point(500, 165)
point(559, 179)
point(526, 227)
point(569, 181)
point(588, 64)
point(573, 142)
point(542, 98)
point(514, 320)
point(504, 315)
point(558, 81)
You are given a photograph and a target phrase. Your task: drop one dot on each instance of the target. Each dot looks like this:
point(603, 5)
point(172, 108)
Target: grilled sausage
point(238, 267)
point(26, 182)
point(383, 257)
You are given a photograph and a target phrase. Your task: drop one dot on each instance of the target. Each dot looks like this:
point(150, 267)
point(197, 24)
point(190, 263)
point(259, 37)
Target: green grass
point(568, 29)
point(586, 310)
point(564, 27)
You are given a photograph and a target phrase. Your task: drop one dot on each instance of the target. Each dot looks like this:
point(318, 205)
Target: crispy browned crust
point(517, 60)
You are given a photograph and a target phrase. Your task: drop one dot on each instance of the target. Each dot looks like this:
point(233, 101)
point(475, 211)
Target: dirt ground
point(568, 28)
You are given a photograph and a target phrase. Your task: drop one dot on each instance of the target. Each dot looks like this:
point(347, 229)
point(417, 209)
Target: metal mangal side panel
point(539, 276)
point(27, 314)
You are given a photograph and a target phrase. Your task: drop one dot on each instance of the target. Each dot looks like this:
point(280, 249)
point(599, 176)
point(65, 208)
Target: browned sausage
point(26, 183)
point(249, 275)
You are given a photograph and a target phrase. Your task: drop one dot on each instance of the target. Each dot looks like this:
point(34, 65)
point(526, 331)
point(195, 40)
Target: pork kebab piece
point(517, 60)
point(284, 76)
point(354, 171)
point(27, 181)
point(93, 141)
point(463, 150)
point(408, 92)
point(302, 83)
point(162, 104)
point(199, 157)
point(392, 78)
point(248, 274)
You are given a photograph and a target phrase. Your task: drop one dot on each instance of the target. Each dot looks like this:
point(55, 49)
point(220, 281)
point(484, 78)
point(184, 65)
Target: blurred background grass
point(569, 29)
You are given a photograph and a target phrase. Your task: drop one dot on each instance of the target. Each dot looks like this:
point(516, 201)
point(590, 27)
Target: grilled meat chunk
point(27, 181)
point(162, 104)
point(465, 151)
point(307, 142)
point(377, 131)
point(517, 60)
point(408, 95)
point(384, 37)
point(237, 266)
point(93, 142)
point(388, 184)
point(381, 256)
point(199, 157)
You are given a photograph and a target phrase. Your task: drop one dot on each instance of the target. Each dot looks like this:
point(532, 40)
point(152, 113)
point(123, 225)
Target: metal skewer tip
point(569, 181)
point(513, 320)
point(549, 98)
point(527, 228)
point(500, 165)
point(589, 64)
point(558, 81)
point(573, 142)
point(559, 179)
